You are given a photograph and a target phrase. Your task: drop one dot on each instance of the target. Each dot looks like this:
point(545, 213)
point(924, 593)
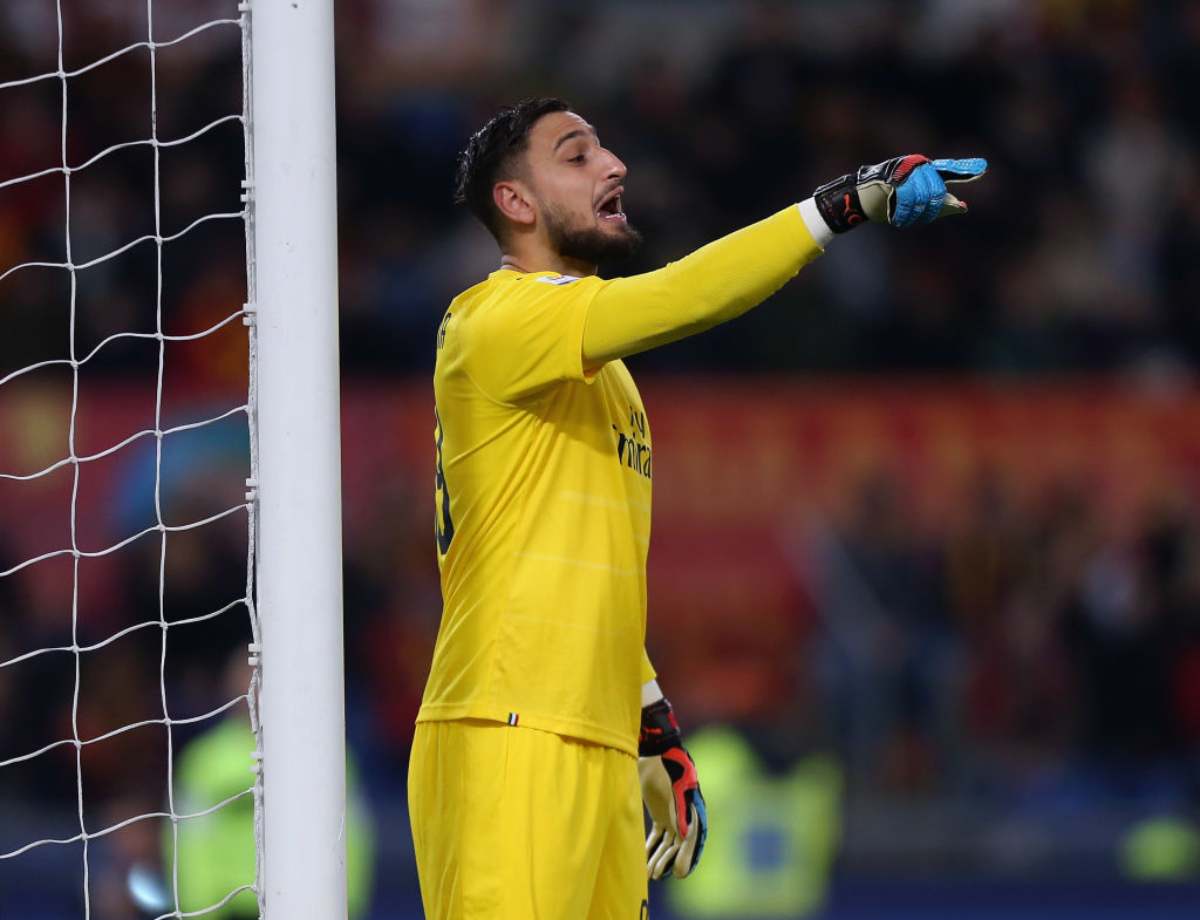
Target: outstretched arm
point(712, 285)
point(727, 277)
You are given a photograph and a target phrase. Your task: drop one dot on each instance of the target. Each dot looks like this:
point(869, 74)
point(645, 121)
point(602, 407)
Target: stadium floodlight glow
point(292, 506)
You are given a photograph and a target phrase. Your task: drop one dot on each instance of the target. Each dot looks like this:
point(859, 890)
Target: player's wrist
point(839, 204)
point(651, 693)
point(660, 730)
point(817, 227)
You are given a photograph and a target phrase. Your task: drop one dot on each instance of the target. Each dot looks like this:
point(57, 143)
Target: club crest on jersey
point(633, 447)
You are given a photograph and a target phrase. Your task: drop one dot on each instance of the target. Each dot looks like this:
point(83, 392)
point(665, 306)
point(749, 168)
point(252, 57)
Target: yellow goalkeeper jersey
point(543, 517)
point(544, 474)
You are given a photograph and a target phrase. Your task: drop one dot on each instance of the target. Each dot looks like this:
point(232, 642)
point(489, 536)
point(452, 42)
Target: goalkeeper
point(543, 731)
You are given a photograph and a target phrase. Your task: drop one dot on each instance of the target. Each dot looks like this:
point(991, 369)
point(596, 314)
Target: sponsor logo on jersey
point(443, 524)
point(557, 279)
point(633, 447)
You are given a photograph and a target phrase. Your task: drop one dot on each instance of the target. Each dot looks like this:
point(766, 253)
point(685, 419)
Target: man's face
point(579, 190)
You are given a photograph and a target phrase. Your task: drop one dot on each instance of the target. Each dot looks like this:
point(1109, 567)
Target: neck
point(546, 261)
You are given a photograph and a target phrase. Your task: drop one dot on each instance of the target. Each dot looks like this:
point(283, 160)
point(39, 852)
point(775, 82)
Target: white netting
point(98, 822)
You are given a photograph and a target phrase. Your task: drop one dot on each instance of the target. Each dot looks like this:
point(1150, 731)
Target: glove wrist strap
point(839, 204)
point(660, 730)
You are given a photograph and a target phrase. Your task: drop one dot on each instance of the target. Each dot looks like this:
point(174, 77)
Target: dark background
point(926, 520)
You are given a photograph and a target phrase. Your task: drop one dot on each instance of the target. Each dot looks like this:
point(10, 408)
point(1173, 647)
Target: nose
point(616, 169)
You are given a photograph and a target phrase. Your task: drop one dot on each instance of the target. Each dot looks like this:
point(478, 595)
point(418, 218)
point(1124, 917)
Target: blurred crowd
point(1025, 654)
point(1079, 259)
point(1029, 654)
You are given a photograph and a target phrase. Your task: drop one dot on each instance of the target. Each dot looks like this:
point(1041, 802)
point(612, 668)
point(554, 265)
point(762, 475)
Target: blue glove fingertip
point(966, 167)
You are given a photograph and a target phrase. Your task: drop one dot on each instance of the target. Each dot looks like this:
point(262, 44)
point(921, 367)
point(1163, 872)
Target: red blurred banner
point(743, 469)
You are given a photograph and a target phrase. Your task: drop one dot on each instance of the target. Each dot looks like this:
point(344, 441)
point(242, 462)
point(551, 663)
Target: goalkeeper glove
point(671, 791)
point(903, 192)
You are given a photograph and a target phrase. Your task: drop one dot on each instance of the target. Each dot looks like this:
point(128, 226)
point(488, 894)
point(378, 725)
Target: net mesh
point(97, 819)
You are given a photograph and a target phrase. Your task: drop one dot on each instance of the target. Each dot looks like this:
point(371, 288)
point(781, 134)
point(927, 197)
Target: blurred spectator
point(1082, 108)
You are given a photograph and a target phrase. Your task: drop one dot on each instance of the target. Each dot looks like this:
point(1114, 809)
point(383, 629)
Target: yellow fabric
point(648, 672)
point(545, 486)
point(544, 480)
point(520, 824)
point(714, 284)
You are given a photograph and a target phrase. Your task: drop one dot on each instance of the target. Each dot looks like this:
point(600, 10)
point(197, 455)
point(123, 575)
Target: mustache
point(590, 244)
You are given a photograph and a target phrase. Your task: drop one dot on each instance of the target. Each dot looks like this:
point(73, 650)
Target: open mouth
point(610, 207)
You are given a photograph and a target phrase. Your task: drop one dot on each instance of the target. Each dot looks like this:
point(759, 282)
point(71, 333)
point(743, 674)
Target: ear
point(513, 199)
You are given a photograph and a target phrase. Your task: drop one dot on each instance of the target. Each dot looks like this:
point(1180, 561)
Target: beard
point(590, 245)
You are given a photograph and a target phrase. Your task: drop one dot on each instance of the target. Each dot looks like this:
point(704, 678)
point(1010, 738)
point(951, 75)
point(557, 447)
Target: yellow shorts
point(512, 823)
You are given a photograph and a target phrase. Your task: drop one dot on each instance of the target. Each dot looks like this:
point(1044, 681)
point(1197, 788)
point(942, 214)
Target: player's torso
point(571, 469)
point(542, 526)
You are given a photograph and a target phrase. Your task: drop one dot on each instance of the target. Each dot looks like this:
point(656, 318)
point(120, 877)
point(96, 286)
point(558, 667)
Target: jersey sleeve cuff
point(815, 223)
point(651, 692)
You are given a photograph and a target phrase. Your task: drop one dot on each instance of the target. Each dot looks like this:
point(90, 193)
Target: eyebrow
point(575, 132)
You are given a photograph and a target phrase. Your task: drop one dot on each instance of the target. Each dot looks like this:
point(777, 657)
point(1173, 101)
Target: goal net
point(141, 306)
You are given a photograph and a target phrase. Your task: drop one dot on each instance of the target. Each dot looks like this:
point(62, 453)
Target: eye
point(578, 158)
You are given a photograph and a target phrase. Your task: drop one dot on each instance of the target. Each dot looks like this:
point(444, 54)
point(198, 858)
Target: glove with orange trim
point(901, 192)
point(671, 791)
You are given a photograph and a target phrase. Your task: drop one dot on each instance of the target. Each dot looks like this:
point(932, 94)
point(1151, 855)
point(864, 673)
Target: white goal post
point(292, 590)
point(292, 198)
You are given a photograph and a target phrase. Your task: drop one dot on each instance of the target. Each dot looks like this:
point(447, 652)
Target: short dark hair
point(491, 152)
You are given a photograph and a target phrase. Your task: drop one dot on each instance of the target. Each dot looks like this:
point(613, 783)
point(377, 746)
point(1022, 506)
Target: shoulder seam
point(547, 391)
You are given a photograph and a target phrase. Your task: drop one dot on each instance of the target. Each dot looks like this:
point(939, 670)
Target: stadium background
point(926, 529)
